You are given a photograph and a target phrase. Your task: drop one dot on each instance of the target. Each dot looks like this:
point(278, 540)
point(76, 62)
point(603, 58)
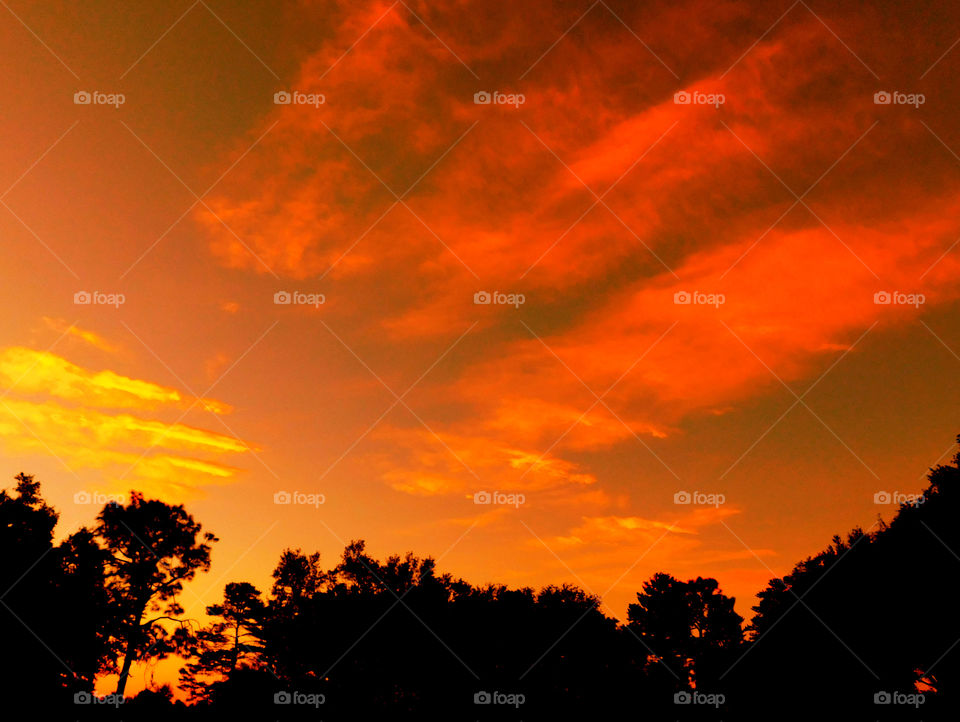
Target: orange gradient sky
point(599, 198)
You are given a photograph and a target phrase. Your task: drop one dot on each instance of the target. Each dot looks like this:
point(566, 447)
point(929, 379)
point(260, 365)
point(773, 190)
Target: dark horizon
point(339, 640)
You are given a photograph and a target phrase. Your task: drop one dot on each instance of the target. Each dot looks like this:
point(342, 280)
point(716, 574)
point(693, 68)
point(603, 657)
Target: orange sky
point(597, 199)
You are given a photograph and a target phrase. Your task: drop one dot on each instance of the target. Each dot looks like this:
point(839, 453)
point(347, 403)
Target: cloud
point(600, 199)
point(618, 530)
point(74, 331)
point(54, 407)
point(462, 464)
point(43, 372)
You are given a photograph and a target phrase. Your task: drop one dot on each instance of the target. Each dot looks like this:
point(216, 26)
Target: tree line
point(866, 629)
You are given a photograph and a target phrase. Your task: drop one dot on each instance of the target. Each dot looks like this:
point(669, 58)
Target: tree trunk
point(130, 651)
point(236, 647)
point(125, 670)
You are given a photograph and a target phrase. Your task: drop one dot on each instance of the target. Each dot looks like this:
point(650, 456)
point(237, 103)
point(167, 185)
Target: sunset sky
point(781, 208)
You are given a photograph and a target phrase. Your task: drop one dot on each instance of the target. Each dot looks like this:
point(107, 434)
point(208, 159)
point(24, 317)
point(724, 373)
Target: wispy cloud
point(55, 407)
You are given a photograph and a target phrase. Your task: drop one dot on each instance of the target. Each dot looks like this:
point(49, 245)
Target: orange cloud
point(31, 371)
point(464, 464)
point(633, 529)
point(130, 450)
point(74, 331)
point(600, 199)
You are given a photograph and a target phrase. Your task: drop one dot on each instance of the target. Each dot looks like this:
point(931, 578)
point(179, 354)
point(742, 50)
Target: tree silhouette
point(689, 627)
point(220, 648)
point(26, 571)
point(872, 614)
point(55, 652)
point(154, 548)
point(297, 577)
point(86, 633)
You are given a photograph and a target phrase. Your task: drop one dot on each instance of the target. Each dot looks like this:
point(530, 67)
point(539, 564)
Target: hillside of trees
point(866, 629)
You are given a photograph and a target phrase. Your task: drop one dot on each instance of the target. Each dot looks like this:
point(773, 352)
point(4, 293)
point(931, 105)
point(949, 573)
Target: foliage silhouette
point(689, 627)
point(854, 630)
point(36, 578)
point(219, 649)
point(153, 548)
